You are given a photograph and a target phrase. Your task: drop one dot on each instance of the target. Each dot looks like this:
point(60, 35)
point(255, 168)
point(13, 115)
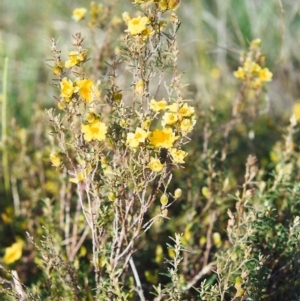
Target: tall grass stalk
point(4, 128)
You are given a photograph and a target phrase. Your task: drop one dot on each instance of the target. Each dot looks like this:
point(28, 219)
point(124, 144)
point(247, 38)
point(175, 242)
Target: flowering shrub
point(134, 189)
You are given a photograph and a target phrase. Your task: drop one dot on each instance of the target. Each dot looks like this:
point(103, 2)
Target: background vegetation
point(239, 211)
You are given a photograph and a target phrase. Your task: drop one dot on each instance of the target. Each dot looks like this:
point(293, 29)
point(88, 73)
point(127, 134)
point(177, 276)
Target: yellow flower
point(61, 105)
point(67, 89)
point(168, 4)
point(146, 33)
point(134, 139)
point(240, 74)
point(217, 239)
point(80, 177)
point(96, 9)
point(79, 13)
point(58, 68)
point(163, 138)
point(187, 125)
point(87, 89)
point(13, 253)
point(75, 58)
point(137, 25)
point(186, 111)
point(139, 87)
point(90, 117)
point(159, 254)
point(169, 119)
point(155, 165)
point(251, 67)
point(94, 131)
point(178, 155)
point(265, 75)
point(158, 106)
point(256, 43)
point(111, 196)
point(238, 286)
point(55, 159)
point(205, 191)
point(146, 124)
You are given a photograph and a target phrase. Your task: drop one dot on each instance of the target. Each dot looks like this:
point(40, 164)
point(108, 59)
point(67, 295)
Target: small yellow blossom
point(96, 9)
point(186, 111)
point(238, 286)
point(202, 240)
point(55, 159)
point(240, 74)
point(13, 253)
point(146, 124)
point(67, 89)
point(159, 254)
point(177, 193)
point(169, 119)
point(168, 4)
point(80, 177)
point(155, 165)
point(7, 216)
point(137, 25)
point(79, 13)
point(108, 171)
point(134, 139)
point(147, 33)
point(58, 68)
point(139, 87)
point(94, 131)
point(265, 75)
point(217, 239)
point(187, 125)
point(178, 155)
point(158, 106)
point(87, 90)
point(251, 67)
point(163, 138)
point(111, 196)
point(61, 105)
point(90, 117)
point(205, 191)
point(164, 200)
point(75, 58)
point(256, 43)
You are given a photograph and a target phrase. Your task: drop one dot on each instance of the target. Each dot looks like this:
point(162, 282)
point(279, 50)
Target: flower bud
point(164, 199)
point(177, 193)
